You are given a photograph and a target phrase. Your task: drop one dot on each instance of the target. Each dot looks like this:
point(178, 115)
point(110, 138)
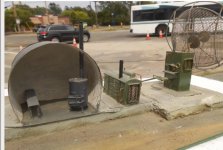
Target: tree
point(39, 10)
point(81, 16)
point(113, 13)
point(55, 9)
point(66, 8)
point(88, 11)
point(9, 20)
point(70, 14)
point(91, 15)
point(128, 5)
point(24, 12)
point(76, 15)
point(25, 7)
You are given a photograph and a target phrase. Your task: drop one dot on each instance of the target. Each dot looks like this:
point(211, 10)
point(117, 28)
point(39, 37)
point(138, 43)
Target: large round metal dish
point(46, 67)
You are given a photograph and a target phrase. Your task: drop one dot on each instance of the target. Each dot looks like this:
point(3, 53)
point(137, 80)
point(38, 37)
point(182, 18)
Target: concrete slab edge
point(185, 111)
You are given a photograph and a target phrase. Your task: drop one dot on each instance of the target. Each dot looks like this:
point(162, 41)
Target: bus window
point(159, 15)
point(151, 15)
point(143, 15)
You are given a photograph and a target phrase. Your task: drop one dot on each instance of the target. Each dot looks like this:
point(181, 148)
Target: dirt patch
point(144, 131)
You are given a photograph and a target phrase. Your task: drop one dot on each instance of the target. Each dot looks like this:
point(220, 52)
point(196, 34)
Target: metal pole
point(47, 14)
point(81, 30)
point(14, 10)
point(120, 68)
point(81, 55)
point(96, 13)
point(15, 15)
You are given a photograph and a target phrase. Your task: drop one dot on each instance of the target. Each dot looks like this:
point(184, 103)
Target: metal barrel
point(78, 86)
point(78, 92)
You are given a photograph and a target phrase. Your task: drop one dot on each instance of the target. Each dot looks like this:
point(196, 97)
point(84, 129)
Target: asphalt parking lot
point(99, 36)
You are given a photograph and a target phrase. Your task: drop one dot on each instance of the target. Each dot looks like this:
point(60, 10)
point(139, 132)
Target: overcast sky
point(61, 3)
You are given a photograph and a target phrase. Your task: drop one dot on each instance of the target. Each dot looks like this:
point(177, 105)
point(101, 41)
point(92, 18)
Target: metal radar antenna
point(199, 30)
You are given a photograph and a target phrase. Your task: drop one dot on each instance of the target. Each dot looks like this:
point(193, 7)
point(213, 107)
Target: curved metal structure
point(46, 67)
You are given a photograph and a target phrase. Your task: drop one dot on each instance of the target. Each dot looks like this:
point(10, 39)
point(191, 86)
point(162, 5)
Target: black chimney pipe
point(121, 68)
point(81, 54)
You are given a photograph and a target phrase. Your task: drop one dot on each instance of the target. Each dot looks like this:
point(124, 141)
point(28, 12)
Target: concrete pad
point(108, 104)
point(59, 111)
point(171, 104)
point(52, 112)
point(109, 110)
point(21, 132)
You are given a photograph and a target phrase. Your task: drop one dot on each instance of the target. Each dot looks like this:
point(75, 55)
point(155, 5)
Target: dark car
point(36, 28)
point(40, 29)
point(61, 33)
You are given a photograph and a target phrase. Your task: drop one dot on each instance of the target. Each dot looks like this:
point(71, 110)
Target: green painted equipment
point(178, 70)
point(123, 87)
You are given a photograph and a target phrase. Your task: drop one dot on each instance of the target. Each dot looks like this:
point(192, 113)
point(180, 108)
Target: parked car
point(61, 33)
point(36, 28)
point(40, 29)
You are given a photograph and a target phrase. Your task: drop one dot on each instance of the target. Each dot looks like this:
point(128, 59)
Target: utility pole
point(14, 10)
point(16, 18)
point(96, 13)
point(47, 13)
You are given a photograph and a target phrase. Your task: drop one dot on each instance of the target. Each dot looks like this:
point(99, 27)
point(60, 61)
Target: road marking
point(6, 92)
point(206, 83)
point(215, 144)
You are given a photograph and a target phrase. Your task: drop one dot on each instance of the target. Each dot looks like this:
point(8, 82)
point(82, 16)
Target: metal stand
point(33, 103)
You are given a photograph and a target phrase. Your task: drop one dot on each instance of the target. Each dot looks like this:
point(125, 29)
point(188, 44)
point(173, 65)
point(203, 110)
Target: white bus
point(150, 19)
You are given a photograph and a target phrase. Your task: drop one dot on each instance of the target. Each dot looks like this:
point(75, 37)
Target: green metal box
point(178, 70)
point(125, 90)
